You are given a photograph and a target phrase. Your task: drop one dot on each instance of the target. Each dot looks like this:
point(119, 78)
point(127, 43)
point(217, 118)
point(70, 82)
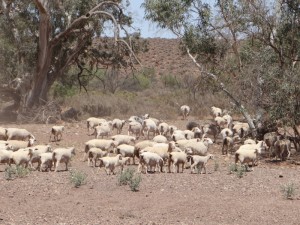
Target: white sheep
point(16, 144)
point(151, 160)
point(22, 156)
point(172, 128)
point(98, 143)
point(185, 111)
point(160, 139)
point(46, 161)
point(260, 146)
point(18, 134)
point(103, 129)
point(247, 155)
point(3, 134)
point(56, 131)
point(249, 141)
point(200, 147)
point(199, 161)
point(118, 125)
point(226, 132)
point(182, 144)
point(123, 139)
point(61, 155)
point(241, 129)
point(220, 121)
point(94, 154)
point(178, 135)
point(149, 126)
point(211, 129)
point(228, 119)
point(216, 111)
point(126, 151)
point(124, 161)
point(141, 145)
point(110, 162)
point(92, 122)
point(228, 143)
point(37, 151)
point(177, 158)
point(282, 149)
point(5, 156)
point(163, 128)
point(135, 119)
point(135, 128)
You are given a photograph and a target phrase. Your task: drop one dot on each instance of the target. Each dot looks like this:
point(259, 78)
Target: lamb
point(46, 161)
point(194, 133)
point(135, 128)
point(126, 151)
point(177, 158)
point(103, 129)
point(220, 121)
point(16, 144)
point(160, 139)
point(150, 159)
point(199, 161)
point(5, 156)
point(200, 147)
point(282, 149)
point(228, 143)
point(163, 129)
point(92, 122)
point(228, 119)
point(18, 134)
point(98, 143)
point(37, 151)
point(211, 129)
point(118, 125)
point(185, 111)
point(241, 128)
point(22, 156)
point(60, 155)
point(56, 131)
point(124, 161)
point(94, 154)
point(110, 162)
point(178, 135)
point(161, 149)
point(123, 139)
point(247, 155)
point(216, 111)
point(149, 126)
point(141, 145)
point(183, 143)
point(3, 134)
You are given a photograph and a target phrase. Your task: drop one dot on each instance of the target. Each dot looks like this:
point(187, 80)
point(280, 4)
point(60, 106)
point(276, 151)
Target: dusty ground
point(214, 198)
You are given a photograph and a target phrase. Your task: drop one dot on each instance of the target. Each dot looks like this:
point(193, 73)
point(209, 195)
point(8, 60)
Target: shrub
point(17, 171)
point(217, 165)
point(77, 178)
point(129, 178)
point(239, 170)
point(135, 183)
point(288, 190)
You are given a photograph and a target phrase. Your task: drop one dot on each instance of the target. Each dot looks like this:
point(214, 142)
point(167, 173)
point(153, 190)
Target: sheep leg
point(66, 165)
point(182, 166)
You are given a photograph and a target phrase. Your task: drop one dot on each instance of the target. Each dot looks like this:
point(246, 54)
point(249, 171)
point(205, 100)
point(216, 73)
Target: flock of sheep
point(164, 146)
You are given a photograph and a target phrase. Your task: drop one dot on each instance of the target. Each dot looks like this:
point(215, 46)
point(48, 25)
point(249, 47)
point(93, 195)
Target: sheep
point(199, 161)
point(135, 128)
point(98, 143)
point(103, 129)
point(220, 121)
point(60, 155)
point(126, 151)
point(46, 161)
point(37, 151)
point(135, 119)
point(18, 134)
point(228, 120)
point(5, 145)
point(141, 145)
point(124, 161)
point(241, 128)
point(163, 128)
point(56, 131)
point(185, 111)
point(92, 122)
point(282, 149)
point(118, 125)
point(226, 132)
point(3, 134)
point(94, 154)
point(5, 156)
point(177, 158)
point(200, 147)
point(228, 143)
point(211, 129)
point(178, 135)
point(216, 111)
point(150, 159)
point(149, 126)
point(161, 149)
point(249, 153)
point(16, 144)
point(249, 141)
point(194, 133)
point(22, 156)
point(172, 128)
point(270, 139)
point(160, 139)
point(183, 143)
point(123, 139)
point(110, 162)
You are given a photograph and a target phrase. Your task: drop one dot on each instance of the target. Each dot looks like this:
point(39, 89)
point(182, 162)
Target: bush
point(129, 178)
point(288, 190)
point(17, 171)
point(239, 170)
point(77, 178)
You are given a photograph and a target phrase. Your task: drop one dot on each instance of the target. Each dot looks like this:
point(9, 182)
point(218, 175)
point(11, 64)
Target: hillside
point(166, 58)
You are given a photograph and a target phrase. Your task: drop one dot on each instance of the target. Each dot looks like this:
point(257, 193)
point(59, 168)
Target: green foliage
point(170, 80)
point(239, 170)
point(60, 90)
point(288, 190)
point(128, 177)
point(77, 178)
point(12, 172)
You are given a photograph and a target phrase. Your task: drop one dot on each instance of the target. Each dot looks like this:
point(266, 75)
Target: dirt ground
point(217, 197)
